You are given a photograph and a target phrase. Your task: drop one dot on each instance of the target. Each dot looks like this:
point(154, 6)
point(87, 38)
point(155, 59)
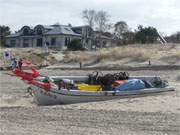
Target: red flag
point(28, 76)
point(43, 85)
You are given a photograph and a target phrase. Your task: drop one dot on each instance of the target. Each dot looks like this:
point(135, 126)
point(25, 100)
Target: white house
point(56, 36)
point(53, 35)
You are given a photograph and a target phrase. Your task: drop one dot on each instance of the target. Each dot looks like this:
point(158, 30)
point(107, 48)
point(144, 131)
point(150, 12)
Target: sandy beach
point(155, 114)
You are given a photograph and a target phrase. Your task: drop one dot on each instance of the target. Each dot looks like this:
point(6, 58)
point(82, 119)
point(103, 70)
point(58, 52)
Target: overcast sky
point(162, 14)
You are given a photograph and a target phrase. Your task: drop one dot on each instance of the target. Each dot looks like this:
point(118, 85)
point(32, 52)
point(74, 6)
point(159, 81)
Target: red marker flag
point(27, 76)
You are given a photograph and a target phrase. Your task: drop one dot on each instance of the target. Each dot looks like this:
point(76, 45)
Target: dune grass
point(172, 59)
point(169, 54)
point(110, 54)
point(137, 53)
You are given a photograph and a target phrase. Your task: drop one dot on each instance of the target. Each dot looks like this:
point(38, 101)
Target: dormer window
point(26, 32)
point(39, 31)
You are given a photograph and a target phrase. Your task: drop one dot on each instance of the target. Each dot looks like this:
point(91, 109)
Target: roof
point(13, 35)
point(81, 26)
point(61, 29)
point(52, 30)
point(104, 35)
point(48, 26)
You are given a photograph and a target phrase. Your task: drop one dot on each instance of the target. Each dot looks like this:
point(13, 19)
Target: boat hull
point(55, 96)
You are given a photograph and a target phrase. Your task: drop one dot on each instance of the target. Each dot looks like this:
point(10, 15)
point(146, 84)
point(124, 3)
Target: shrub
point(75, 45)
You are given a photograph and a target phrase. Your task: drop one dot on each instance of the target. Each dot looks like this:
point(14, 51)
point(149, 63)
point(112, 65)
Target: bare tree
point(101, 20)
point(89, 16)
point(98, 20)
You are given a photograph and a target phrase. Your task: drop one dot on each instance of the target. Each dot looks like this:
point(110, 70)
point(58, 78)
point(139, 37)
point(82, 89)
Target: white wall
point(8, 41)
point(60, 41)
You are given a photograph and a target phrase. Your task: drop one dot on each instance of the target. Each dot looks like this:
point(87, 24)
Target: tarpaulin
point(132, 84)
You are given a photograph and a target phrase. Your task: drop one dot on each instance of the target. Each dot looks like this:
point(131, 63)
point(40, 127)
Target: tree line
point(99, 20)
point(4, 31)
point(174, 38)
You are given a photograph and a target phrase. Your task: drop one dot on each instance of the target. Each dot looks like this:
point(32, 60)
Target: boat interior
point(99, 82)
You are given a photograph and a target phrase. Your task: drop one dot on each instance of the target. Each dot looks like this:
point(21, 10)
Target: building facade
point(56, 36)
point(53, 36)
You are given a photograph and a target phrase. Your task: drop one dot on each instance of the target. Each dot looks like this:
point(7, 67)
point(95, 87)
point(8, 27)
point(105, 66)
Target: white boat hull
point(55, 96)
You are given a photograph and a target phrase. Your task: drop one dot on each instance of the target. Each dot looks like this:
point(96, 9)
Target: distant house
point(94, 39)
point(87, 34)
point(54, 36)
point(58, 36)
point(103, 39)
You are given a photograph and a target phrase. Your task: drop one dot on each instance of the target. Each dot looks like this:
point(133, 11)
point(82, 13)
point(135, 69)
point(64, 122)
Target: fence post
point(80, 65)
point(149, 62)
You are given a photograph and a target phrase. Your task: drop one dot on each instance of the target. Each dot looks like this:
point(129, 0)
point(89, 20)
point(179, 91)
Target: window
point(13, 43)
point(67, 41)
point(53, 41)
point(47, 43)
point(104, 43)
point(25, 42)
point(39, 42)
point(97, 43)
point(25, 31)
point(39, 31)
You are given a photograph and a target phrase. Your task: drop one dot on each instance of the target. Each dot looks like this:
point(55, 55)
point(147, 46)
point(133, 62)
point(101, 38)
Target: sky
point(162, 14)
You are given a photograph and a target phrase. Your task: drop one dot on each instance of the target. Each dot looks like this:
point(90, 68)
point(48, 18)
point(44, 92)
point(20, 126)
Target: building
point(87, 35)
point(103, 39)
point(56, 36)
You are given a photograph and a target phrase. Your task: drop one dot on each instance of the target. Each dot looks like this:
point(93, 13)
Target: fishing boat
point(54, 95)
point(52, 90)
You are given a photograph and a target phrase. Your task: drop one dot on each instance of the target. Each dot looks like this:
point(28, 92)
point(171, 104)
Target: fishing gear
point(106, 81)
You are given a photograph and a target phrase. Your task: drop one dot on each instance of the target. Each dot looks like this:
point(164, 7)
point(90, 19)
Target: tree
point(120, 28)
point(89, 16)
point(98, 20)
point(146, 34)
point(75, 45)
point(122, 33)
point(174, 38)
point(101, 20)
point(4, 31)
point(102, 24)
point(128, 37)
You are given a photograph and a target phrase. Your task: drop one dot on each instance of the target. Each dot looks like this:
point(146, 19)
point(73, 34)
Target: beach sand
point(155, 114)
